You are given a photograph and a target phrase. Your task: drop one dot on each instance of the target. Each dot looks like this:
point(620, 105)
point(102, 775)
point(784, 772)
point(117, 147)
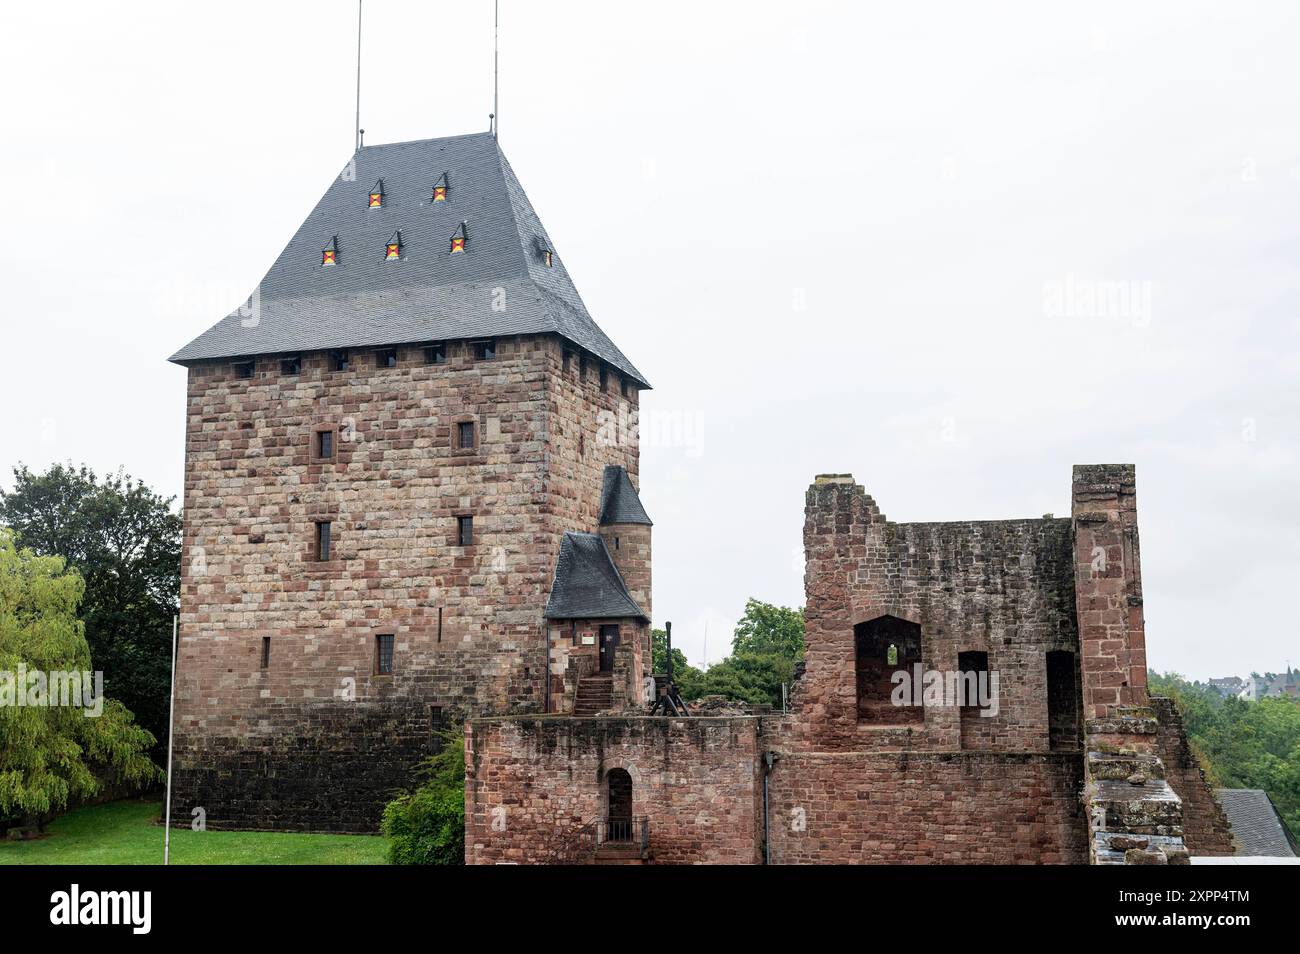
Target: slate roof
point(1256, 824)
point(429, 294)
point(587, 585)
point(619, 501)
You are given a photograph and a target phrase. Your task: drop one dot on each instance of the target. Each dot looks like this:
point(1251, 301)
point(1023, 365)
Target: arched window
point(884, 646)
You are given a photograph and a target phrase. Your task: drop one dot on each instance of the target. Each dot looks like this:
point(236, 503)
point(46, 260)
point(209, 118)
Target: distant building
point(1228, 685)
point(1271, 685)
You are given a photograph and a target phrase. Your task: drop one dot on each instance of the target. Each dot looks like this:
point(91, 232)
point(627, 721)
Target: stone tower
point(389, 450)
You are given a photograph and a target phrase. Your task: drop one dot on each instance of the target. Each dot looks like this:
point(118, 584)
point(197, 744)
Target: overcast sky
point(889, 239)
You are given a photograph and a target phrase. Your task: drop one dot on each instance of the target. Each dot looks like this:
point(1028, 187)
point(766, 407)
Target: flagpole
point(171, 717)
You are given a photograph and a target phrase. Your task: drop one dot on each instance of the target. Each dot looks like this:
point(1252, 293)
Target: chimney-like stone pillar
point(1108, 588)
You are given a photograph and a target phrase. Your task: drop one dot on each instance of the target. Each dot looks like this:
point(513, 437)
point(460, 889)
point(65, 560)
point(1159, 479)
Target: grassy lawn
point(124, 833)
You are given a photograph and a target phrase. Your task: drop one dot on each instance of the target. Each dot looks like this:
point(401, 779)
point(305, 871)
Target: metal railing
point(622, 831)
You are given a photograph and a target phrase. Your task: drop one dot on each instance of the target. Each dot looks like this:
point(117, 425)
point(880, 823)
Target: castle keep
point(400, 506)
point(1046, 750)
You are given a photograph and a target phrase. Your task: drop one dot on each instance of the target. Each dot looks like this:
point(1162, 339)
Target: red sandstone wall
point(1205, 827)
point(532, 784)
point(927, 808)
point(1001, 587)
point(1108, 581)
point(467, 620)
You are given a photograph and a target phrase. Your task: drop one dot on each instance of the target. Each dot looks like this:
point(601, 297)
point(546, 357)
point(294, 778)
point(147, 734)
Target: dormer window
point(440, 188)
point(393, 248)
point(459, 239)
point(548, 258)
point(376, 199)
point(329, 255)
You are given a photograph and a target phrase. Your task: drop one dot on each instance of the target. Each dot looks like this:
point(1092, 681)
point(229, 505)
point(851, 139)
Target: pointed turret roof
point(587, 584)
point(619, 501)
point(501, 284)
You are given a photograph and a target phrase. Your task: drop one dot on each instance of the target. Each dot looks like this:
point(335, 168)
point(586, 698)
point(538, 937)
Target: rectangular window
point(266, 652)
point(974, 669)
point(324, 445)
point(465, 435)
point(568, 359)
point(436, 728)
point(435, 354)
point(604, 378)
point(485, 350)
point(622, 386)
point(384, 654)
point(323, 540)
point(291, 365)
point(243, 370)
point(582, 367)
point(386, 358)
point(338, 360)
point(465, 531)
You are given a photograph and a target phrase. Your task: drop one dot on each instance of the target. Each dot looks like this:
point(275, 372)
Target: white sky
point(831, 235)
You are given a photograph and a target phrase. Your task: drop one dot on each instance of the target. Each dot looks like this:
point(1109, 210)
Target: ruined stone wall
point(317, 739)
point(1205, 826)
point(1002, 587)
point(926, 808)
point(1108, 579)
point(533, 785)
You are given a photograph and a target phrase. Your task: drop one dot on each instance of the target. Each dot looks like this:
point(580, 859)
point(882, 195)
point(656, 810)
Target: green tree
point(125, 542)
point(426, 826)
point(1243, 744)
point(755, 678)
point(766, 629)
point(53, 755)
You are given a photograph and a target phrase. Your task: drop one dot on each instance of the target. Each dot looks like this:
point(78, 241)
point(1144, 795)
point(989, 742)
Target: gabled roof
point(619, 501)
point(1259, 830)
point(430, 294)
point(587, 585)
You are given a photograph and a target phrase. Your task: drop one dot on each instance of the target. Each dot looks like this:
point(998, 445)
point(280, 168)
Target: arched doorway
point(618, 821)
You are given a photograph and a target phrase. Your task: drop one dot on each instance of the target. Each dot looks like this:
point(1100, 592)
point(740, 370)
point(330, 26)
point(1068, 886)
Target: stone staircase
point(595, 694)
point(1135, 817)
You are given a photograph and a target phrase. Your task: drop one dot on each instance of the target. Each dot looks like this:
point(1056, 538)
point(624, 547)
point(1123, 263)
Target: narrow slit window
point(465, 531)
point(323, 541)
point(604, 378)
point(384, 654)
point(266, 652)
point(622, 386)
point(436, 727)
point(465, 435)
point(325, 445)
point(435, 354)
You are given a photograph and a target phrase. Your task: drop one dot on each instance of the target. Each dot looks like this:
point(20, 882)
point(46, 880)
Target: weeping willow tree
point(57, 747)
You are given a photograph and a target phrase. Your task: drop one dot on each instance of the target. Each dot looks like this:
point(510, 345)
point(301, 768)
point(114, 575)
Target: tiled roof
point(619, 501)
point(587, 585)
point(1258, 828)
point(499, 285)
